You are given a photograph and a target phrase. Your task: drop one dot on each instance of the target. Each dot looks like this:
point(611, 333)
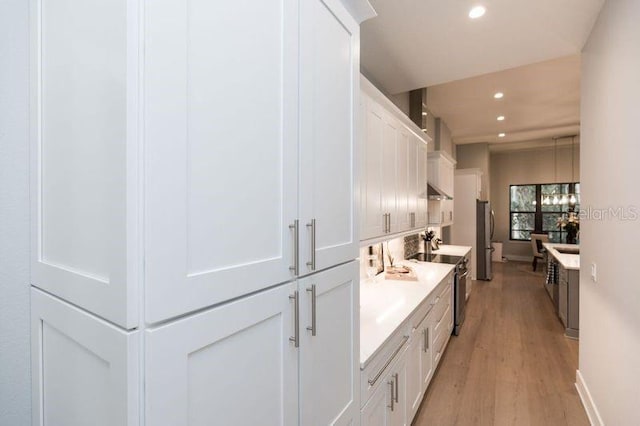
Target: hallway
point(511, 364)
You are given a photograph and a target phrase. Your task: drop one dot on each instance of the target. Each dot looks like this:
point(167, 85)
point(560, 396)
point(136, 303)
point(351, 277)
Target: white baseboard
point(587, 401)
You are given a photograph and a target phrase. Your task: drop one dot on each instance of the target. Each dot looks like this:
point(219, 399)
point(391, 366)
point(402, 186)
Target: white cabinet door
point(220, 184)
point(402, 180)
point(329, 360)
point(398, 381)
point(387, 405)
point(329, 76)
point(84, 154)
point(426, 354)
point(446, 176)
point(421, 215)
point(414, 374)
point(84, 370)
point(376, 411)
point(372, 221)
point(231, 365)
point(412, 180)
point(389, 170)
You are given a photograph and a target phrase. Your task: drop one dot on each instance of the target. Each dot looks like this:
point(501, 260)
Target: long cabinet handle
point(313, 328)
point(396, 382)
point(296, 248)
point(296, 319)
point(390, 383)
point(312, 264)
point(425, 334)
point(386, 364)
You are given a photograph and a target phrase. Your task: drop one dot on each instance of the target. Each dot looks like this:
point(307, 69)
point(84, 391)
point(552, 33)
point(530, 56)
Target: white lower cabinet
point(419, 363)
point(387, 405)
point(255, 361)
point(395, 381)
point(84, 370)
point(232, 365)
point(329, 372)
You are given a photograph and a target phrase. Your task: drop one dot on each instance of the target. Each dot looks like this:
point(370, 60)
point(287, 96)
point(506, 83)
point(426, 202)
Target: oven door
point(460, 298)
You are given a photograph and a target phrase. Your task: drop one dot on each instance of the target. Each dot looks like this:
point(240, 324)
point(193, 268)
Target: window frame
point(538, 213)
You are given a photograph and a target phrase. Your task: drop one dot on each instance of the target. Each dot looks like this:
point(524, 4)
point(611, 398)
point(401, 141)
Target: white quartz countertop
point(568, 261)
point(452, 250)
point(386, 304)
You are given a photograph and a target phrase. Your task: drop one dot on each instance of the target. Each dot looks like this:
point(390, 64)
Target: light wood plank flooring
point(511, 364)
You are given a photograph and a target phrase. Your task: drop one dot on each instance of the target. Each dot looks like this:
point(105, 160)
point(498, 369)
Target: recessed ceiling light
point(501, 135)
point(500, 118)
point(477, 12)
point(498, 95)
point(424, 113)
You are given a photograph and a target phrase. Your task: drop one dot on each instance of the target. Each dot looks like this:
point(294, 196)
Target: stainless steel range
point(459, 286)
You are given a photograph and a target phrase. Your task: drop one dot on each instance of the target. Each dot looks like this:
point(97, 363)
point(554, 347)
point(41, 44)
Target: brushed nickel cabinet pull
point(386, 364)
point(296, 319)
point(312, 290)
point(390, 383)
point(296, 250)
point(396, 382)
point(312, 263)
point(425, 345)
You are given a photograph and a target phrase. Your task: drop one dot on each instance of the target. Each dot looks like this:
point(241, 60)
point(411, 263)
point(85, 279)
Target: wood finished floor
point(511, 364)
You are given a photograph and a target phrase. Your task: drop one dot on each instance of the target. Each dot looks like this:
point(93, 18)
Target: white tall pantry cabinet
point(193, 212)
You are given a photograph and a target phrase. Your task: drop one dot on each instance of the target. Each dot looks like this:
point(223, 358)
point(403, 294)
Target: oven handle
point(463, 275)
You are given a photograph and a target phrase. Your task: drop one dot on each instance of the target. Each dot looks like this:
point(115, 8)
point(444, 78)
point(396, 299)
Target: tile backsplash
point(412, 245)
point(399, 249)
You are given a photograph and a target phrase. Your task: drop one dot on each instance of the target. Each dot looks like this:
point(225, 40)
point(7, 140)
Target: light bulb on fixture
point(572, 199)
point(564, 199)
point(555, 200)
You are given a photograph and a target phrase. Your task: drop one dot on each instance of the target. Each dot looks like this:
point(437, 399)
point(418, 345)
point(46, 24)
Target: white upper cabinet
point(84, 154)
point(372, 215)
point(404, 148)
point(441, 175)
point(329, 73)
point(221, 150)
point(393, 168)
point(441, 170)
point(422, 209)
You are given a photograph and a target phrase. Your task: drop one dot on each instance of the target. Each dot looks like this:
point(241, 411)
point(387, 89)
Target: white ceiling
point(540, 101)
point(527, 49)
point(420, 43)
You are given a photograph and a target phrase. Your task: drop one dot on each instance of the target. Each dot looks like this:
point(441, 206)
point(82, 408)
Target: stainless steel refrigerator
point(485, 225)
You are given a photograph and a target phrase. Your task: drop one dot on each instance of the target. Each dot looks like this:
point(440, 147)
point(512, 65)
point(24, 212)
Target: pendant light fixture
point(572, 197)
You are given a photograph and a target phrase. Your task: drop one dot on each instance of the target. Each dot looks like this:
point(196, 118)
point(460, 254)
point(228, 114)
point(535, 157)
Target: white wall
point(476, 156)
point(15, 380)
point(526, 167)
point(610, 309)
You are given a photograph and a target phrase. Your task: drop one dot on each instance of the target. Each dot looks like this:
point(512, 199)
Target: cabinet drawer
point(442, 303)
point(421, 313)
point(373, 374)
point(439, 343)
point(442, 321)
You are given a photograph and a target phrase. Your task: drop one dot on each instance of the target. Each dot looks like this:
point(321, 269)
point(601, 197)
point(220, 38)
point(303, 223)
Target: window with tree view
point(536, 209)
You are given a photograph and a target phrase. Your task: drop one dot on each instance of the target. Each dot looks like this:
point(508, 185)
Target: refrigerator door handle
point(493, 223)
